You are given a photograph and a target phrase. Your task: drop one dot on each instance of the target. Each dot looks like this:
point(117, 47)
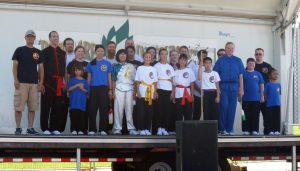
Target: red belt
point(60, 84)
point(186, 94)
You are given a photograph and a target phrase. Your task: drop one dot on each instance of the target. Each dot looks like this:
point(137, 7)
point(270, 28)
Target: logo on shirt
point(212, 79)
point(278, 89)
point(185, 75)
point(35, 56)
point(255, 77)
point(168, 72)
point(151, 75)
point(265, 70)
point(103, 68)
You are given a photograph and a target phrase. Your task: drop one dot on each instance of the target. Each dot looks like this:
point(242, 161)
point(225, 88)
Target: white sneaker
point(117, 132)
point(246, 133)
point(91, 133)
point(164, 131)
point(254, 133)
point(159, 131)
point(47, 132)
point(74, 132)
point(80, 133)
point(277, 133)
point(56, 132)
point(172, 133)
point(147, 132)
point(142, 132)
point(103, 133)
point(231, 133)
point(271, 133)
point(133, 132)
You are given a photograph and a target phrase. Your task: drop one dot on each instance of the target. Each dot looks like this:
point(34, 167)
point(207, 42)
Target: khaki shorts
point(27, 94)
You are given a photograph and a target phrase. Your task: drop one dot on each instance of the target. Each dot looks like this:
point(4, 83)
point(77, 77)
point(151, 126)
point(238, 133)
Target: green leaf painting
point(121, 34)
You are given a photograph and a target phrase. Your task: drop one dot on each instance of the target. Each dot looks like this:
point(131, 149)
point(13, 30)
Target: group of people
point(151, 92)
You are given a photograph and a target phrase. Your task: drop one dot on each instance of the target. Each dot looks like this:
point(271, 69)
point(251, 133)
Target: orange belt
point(149, 92)
point(186, 94)
point(165, 79)
point(60, 84)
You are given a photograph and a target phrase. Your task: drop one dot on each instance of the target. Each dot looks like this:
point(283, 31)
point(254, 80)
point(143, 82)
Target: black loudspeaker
point(197, 146)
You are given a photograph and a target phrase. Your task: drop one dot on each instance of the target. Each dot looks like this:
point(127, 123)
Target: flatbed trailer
point(138, 152)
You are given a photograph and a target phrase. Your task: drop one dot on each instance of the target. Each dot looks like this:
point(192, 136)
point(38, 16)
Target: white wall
point(14, 23)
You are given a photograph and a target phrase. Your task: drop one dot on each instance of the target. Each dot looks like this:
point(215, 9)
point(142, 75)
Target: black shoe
point(18, 131)
point(32, 131)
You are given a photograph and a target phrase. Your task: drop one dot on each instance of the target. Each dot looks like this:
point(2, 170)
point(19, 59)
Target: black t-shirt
point(264, 68)
point(72, 63)
point(28, 59)
point(135, 63)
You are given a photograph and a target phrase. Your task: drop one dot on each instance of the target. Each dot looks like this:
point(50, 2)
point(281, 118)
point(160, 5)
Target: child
point(184, 89)
point(99, 78)
point(146, 84)
point(272, 95)
point(165, 73)
point(78, 89)
point(123, 85)
point(252, 99)
point(211, 91)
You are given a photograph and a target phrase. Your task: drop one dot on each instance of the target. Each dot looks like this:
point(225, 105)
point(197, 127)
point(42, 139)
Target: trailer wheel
point(157, 163)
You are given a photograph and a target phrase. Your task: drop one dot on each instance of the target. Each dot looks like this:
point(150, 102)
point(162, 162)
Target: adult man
point(27, 81)
point(53, 101)
point(111, 53)
point(230, 69)
point(69, 47)
point(221, 52)
point(130, 42)
point(264, 68)
point(197, 87)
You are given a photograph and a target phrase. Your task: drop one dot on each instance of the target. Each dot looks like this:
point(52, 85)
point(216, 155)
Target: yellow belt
point(149, 93)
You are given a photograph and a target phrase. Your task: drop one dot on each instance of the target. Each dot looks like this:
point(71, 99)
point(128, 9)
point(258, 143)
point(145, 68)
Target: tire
point(159, 162)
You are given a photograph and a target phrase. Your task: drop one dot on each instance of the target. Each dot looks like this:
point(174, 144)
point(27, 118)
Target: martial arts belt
point(149, 93)
point(186, 94)
point(60, 84)
point(165, 79)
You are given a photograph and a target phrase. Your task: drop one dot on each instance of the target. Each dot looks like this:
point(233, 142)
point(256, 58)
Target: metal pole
point(78, 157)
point(294, 159)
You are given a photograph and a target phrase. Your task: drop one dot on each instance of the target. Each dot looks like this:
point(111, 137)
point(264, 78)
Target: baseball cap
point(29, 32)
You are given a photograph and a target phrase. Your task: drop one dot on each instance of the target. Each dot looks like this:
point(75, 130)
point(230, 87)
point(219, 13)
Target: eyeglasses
point(258, 54)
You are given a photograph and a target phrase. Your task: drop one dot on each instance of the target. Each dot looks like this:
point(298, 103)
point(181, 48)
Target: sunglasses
point(258, 54)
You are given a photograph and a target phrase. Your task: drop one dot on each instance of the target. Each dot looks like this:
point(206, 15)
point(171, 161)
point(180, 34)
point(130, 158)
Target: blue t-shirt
point(77, 96)
point(252, 82)
point(99, 72)
point(229, 69)
point(273, 92)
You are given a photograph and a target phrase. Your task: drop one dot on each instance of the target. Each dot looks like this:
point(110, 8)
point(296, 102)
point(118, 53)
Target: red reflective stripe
point(237, 158)
point(46, 159)
point(7, 159)
point(267, 158)
point(252, 157)
point(85, 159)
point(27, 159)
point(102, 160)
point(282, 157)
point(65, 159)
point(121, 160)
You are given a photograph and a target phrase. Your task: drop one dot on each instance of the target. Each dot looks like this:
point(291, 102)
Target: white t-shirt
point(70, 57)
point(112, 61)
point(125, 77)
point(138, 58)
point(165, 73)
point(195, 67)
point(209, 80)
point(148, 75)
point(183, 77)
